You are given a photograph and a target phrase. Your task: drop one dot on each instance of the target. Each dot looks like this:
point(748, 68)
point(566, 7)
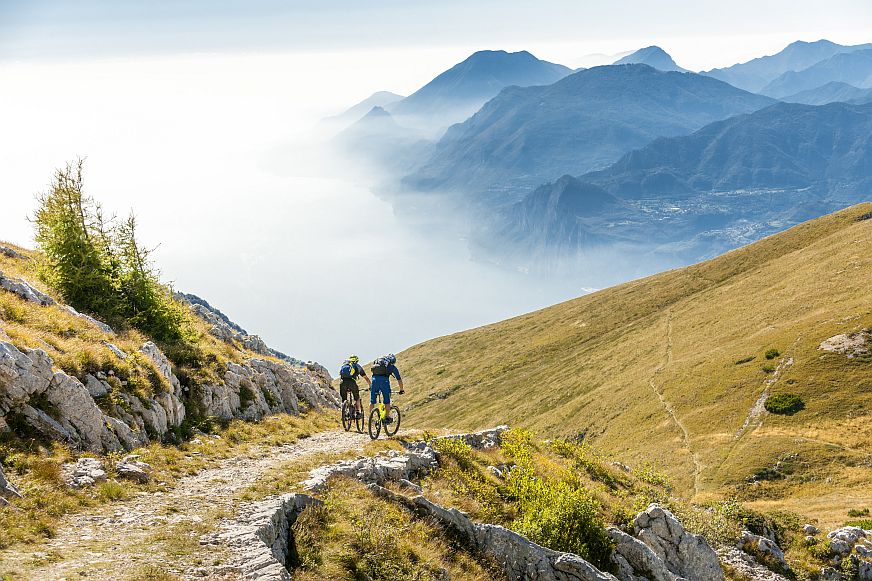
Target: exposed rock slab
point(25, 290)
point(520, 558)
point(850, 344)
point(85, 472)
point(261, 536)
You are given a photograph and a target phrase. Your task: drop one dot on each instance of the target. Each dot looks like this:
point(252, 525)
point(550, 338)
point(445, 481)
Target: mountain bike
point(377, 418)
point(349, 414)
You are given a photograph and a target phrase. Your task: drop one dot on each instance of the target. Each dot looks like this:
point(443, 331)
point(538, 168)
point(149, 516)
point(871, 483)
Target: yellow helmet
point(353, 359)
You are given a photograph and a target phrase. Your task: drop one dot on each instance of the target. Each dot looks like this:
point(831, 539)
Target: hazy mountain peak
point(653, 56)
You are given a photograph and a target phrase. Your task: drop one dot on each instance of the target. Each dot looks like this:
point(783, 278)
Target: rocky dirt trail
point(670, 410)
point(117, 541)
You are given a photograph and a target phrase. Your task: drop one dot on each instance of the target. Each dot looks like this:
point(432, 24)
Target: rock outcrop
point(131, 468)
point(855, 544)
point(674, 553)
point(25, 290)
point(765, 550)
point(391, 465)
point(520, 558)
point(61, 407)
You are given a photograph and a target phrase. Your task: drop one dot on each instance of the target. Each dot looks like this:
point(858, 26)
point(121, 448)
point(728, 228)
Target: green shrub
point(772, 353)
point(784, 403)
point(854, 513)
point(246, 397)
point(560, 516)
point(865, 523)
point(768, 368)
point(746, 360)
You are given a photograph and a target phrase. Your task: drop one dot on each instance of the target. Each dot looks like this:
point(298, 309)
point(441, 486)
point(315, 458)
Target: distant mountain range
point(354, 113)
point(831, 92)
point(756, 74)
point(853, 68)
point(653, 56)
point(694, 196)
point(460, 91)
point(526, 136)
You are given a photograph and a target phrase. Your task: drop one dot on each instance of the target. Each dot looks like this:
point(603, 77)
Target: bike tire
point(346, 416)
point(392, 428)
point(374, 424)
point(360, 422)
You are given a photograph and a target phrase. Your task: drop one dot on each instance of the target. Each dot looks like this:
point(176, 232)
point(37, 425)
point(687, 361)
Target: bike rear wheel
point(347, 410)
point(359, 421)
point(393, 427)
point(374, 423)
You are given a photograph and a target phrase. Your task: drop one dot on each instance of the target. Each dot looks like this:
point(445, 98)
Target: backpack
point(381, 366)
point(348, 371)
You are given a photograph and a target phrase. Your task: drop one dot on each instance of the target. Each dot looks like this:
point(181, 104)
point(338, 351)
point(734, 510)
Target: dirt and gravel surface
point(152, 533)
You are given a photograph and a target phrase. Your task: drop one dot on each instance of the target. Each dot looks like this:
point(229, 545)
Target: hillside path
point(116, 540)
point(670, 410)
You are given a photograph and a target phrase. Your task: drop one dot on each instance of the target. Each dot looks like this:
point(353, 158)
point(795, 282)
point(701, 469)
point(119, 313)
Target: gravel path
point(117, 541)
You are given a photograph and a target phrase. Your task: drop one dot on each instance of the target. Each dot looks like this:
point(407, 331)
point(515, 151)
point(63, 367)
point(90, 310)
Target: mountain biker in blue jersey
point(382, 370)
point(349, 372)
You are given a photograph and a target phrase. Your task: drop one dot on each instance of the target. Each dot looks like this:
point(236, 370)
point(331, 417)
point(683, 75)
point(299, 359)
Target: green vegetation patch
point(772, 353)
point(785, 404)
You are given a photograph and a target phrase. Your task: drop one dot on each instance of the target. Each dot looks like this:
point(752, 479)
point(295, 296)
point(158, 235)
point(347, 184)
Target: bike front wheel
point(393, 427)
point(374, 423)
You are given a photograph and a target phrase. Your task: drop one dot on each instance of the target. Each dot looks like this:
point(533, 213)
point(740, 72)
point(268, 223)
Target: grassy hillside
point(668, 370)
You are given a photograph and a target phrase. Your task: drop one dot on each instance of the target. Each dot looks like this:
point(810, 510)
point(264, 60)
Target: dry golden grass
point(648, 370)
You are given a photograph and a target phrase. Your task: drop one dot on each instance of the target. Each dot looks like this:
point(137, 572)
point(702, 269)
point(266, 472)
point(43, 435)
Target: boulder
point(131, 468)
point(85, 472)
point(765, 550)
point(685, 554)
point(24, 290)
point(636, 561)
point(810, 529)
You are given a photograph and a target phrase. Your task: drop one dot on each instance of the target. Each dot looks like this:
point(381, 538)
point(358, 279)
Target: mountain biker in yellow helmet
point(349, 372)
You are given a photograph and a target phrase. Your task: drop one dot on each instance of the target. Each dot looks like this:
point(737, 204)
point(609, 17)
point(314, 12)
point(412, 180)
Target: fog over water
point(217, 157)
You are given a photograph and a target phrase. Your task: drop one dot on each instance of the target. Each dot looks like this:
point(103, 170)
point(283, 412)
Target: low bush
point(854, 513)
point(784, 403)
point(744, 360)
point(772, 353)
point(768, 368)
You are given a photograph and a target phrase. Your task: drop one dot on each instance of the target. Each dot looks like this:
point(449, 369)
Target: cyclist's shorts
point(347, 385)
point(380, 385)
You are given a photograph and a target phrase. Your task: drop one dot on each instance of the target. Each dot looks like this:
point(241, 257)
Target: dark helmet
point(391, 358)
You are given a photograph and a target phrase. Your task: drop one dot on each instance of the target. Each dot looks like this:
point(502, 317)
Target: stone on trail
point(85, 472)
point(131, 468)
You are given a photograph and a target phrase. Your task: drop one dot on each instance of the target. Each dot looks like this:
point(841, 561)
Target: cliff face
point(100, 409)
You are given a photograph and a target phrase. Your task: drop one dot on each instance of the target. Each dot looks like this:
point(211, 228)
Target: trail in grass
point(670, 410)
point(117, 539)
point(755, 414)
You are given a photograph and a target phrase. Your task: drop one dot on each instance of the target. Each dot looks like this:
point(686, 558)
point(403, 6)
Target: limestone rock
point(24, 290)
point(747, 566)
point(765, 550)
point(810, 529)
point(850, 344)
point(685, 554)
point(116, 350)
point(482, 439)
point(85, 472)
point(636, 561)
point(520, 558)
point(131, 468)
point(99, 324)
point(77, 412)
point(7, 489)
point(96, 387)
point(261, 537)
point(377, 469)
point(22, 374)
point(11, 253)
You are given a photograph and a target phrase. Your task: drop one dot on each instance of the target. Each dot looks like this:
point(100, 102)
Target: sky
point(200, 117)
